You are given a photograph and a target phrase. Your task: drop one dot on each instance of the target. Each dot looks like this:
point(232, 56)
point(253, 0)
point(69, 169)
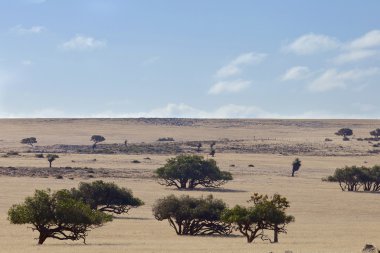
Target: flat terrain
point(327, 219)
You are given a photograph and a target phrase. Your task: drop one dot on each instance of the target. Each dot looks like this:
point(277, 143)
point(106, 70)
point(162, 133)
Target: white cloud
point(185, 111)
point(81, 43)
point(150, 60)
point(26, 62)
point(19, 29)
point(368, 40)
point(229, 86)
point(364, 107)
point(312, 43)
point(355, 55)
point(296, 73)
point(234, 67)
point(332, 79)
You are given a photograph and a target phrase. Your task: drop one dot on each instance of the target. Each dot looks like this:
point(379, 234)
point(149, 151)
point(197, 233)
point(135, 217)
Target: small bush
point(136, 161)
point(12, 153)
point(39, 155)
point(232, 165)
point(166, 139)
point(59, 177)
point(251, 165)
point(328, 139)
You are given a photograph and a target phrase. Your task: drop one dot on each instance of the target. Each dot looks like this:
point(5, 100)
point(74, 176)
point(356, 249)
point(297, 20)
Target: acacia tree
point(192, 216)
point(106, 197)
point(265, 214)
point(51, 158)
point(189, 171)
point(57, 215)
point(96, 139)
point(296, 165)
point(345, 132)
point(29, 141)
point(375, 133)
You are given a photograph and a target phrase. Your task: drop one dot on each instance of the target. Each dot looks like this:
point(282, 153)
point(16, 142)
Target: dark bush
point(192, 216)
point(106, 197)
point(136, 161)
point(39, 155)
point(166, 139)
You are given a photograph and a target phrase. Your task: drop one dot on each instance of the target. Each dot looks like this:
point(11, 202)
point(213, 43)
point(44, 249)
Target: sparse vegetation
point(136, 161)
point(265, 214)
point(192, 216)
point(106, 197)
point(189, 171)
point(199, 146)
point(29, 141)
point(39, 156)
point(57, 215)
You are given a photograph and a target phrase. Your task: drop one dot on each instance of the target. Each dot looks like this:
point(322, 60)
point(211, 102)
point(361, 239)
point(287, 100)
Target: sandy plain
point(327, 219)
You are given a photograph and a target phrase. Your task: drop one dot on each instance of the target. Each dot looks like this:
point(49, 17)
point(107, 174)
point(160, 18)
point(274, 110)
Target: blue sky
point(199, 58)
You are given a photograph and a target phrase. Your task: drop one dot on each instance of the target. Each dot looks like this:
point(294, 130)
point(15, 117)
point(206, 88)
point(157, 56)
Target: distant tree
point(212, 149)
point(296, 165)
point(126, 143)
point(375, 133)
point(96, 139)
point(265, 214)
point(57, 215)
point(344, 132)
point(29, 141)
point(199, 146)
point(51, 158)
point(189, 171)
point(192, 216)
point(106, 197)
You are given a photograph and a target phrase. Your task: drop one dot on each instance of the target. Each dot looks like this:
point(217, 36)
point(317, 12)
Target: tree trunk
point(42, 238)
point(50, 164)
point(292, 173)
point(275, 240)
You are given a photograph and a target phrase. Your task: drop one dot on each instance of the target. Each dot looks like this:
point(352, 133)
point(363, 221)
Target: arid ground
point(327, 219)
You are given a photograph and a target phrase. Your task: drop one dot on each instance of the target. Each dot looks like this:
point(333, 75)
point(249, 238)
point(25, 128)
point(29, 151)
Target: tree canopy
point(96, 139)
point(375, 133)
point(345, 132)
point(189, 171)
point(192, 216)
point(29, 141)
point(296, 165)
point(265, 214)
point(106, 197)
point(57, 215)
point(51, 158)
point(354, 178)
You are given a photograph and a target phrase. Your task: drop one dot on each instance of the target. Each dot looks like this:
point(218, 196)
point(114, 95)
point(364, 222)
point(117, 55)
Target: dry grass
point(327, 219)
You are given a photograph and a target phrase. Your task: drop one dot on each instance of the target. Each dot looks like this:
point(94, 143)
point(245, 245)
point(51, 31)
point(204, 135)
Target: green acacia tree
point(265, 214)
point(57, 215)
point(189, 171)
point(345, 132)
point(106, 197)
point(192, 216)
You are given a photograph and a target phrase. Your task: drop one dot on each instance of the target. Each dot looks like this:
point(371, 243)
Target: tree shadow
point(212, 190)
point(130, 218)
